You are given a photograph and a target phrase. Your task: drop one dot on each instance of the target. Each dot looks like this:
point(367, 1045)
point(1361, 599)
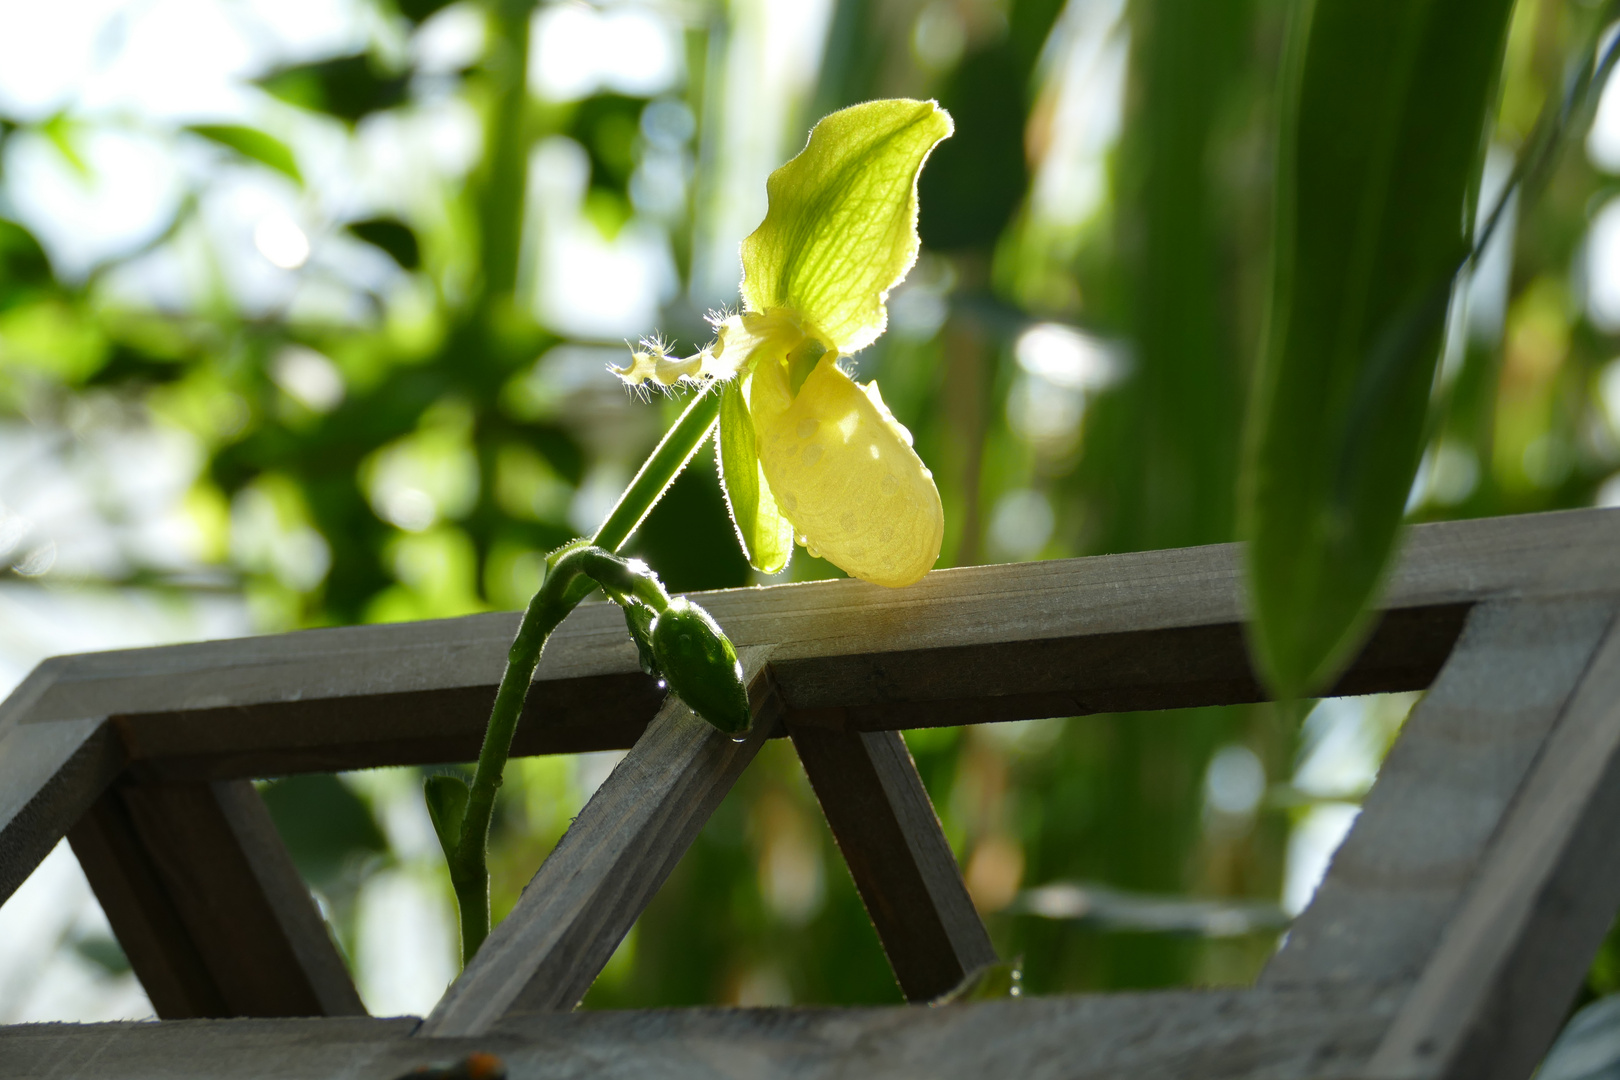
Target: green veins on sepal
point(841, 229)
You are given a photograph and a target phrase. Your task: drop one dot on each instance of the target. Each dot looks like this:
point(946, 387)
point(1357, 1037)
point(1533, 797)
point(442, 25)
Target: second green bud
point(701, 666)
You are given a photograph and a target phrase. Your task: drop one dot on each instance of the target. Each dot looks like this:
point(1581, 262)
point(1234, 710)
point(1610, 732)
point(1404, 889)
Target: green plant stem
point(469, 868)
point(663, 465)
point(569, 580)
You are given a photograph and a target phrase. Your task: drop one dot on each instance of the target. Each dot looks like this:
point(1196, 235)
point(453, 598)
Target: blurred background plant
point(305, 309)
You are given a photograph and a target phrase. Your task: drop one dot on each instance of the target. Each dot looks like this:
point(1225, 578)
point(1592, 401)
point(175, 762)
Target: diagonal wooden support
point(897, 853)
point(607, 867)
point(1507, 968)
point(205, 900)
point(1442, 794)
point(50, 774)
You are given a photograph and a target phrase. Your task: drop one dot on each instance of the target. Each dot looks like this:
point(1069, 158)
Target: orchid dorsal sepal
point(841, 228)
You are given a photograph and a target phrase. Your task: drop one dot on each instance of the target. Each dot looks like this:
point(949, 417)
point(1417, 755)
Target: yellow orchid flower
point(805, 452)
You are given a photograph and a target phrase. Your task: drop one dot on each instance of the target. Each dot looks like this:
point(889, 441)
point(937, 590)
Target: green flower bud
point(701, 666)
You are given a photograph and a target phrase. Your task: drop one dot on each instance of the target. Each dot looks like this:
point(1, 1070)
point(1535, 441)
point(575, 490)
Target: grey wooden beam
point(50, 774)
point(259, 1049)
point(1497, 990)
point(1442, 793)
point(892, 842)
point(206, 902)
point(1146, 630)
point(1189, 1035)
point(607, 867)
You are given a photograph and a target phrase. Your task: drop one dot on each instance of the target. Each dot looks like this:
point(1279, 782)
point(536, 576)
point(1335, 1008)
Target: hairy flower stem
point(663, 465)
point(572, 573)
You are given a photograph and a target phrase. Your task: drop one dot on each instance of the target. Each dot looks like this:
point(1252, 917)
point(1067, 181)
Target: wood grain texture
point(205, 900)
point(1147, 630)
point(903, 867)
point(1186, 1035)
point(1442, 793)
point(1507, 969)
point(607, 867)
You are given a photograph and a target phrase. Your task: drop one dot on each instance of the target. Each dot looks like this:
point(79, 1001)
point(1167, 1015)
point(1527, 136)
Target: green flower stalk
point(804, 451)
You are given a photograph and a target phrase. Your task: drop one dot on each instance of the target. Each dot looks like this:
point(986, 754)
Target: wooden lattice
point(1447, 940)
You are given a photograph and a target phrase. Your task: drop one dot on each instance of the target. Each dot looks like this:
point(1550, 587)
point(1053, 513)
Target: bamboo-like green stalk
point(567, 583)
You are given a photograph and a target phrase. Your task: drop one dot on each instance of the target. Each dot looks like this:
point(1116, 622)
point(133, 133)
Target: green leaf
point(64, 134)
point(252, 143)
point(326, 826)
point(393, 236)
point(1381, 147)
point(766, 536)
point(419, 11)
point(23, 264)
point(447, 806)
point(348, 87)
point(842, 226)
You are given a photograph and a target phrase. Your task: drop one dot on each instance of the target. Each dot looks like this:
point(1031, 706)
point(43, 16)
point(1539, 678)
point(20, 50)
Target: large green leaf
point(1382, 138)
point(842, 226)
point(766, 535)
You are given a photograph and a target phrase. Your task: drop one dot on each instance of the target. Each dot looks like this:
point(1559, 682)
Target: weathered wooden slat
point(1442, 793)
point(1443, 832)
point(897, 853)
point(50, 774)
point(1499, 986)
point(207, 904)
point(1128, 671)
point(258, 1049)
point(1188, 1035)
point(1146, 630)
point(607, 867)
point(142, 916)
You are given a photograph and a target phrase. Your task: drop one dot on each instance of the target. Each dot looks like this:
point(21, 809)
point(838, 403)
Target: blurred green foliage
point(418, 460)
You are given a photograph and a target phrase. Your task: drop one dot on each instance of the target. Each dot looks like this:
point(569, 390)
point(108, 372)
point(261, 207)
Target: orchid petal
point(843, 472)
